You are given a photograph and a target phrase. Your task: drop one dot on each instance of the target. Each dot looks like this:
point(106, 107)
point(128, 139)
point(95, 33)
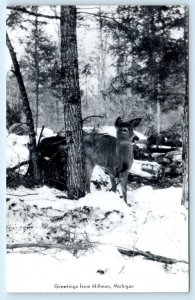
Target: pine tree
point(39, 62)
point(156, 66)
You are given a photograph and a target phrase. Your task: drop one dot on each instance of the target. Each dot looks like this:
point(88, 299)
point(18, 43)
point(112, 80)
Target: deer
point(114, 155)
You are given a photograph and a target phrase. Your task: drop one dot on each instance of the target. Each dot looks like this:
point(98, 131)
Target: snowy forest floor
point(59, 245)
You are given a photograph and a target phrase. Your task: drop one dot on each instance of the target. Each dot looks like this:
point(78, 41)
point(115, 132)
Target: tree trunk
point(158, 115)
point(72, 103)
point(86, 91)
point(102, 64)
point(185, 154)
point(102, 54)
point(57, 113)
point(36, 70)
point(28, 113)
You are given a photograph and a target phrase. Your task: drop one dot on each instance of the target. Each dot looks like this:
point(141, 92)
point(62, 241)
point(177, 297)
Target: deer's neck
point(125, 146)
point(124, 151)
point(124, 156)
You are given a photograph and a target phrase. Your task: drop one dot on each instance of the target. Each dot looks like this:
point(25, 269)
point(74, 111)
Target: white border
point(145, 296)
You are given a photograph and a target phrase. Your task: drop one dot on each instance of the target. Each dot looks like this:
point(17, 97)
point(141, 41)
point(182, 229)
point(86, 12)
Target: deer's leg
point(113, 183)
point(123, 177)
point(89, 170)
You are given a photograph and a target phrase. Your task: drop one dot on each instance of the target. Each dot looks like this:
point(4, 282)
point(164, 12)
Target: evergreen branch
point(119, 24)
point(26, 11)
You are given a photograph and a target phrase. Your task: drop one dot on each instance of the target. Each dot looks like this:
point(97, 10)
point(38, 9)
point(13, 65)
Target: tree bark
point(28, 113)
point(158, 115)
point(185, 154)
point(36, 70)
point(101, 66)
point(72, 104)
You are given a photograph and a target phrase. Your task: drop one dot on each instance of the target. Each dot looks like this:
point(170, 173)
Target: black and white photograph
point(97, 149)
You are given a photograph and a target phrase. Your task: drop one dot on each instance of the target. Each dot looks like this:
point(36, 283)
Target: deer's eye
point(124, 130)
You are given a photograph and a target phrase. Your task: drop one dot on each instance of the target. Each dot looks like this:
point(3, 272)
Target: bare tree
point(28, 113)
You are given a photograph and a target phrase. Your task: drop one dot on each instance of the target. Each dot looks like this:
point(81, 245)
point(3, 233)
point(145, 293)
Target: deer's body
point(115, 155)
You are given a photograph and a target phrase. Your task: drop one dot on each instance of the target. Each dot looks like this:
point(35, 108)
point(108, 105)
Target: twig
point(40, 136)
point(63, 197)
point(23, 195)
point(151, 256)
point(121, 269)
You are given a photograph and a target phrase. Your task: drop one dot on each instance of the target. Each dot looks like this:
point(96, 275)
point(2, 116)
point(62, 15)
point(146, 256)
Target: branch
point(151, 256)
point(98, 15)
point(24, 10)
point(19, 165)
point(41, 245)
point(108, 18)
point(40, 136)
point(93, 116)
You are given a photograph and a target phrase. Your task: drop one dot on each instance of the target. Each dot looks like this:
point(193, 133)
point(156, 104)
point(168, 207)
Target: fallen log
point(33, 245)
point(151, 256)
point(148, 169)
point(74, 248)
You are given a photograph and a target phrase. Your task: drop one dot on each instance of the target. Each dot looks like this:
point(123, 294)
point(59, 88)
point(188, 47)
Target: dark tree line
point(157, 69)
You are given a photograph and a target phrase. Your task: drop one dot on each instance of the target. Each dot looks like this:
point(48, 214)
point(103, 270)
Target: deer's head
point(125, 130)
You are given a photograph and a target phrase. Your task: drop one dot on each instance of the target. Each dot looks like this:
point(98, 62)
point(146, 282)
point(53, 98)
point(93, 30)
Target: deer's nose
point(124, 130)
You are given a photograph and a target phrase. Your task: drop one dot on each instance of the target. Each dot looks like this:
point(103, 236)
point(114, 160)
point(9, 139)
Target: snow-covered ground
point(79, 240)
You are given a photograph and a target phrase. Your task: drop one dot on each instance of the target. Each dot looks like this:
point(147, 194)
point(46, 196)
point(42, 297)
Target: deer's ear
point(118, 122)
point(135, 122)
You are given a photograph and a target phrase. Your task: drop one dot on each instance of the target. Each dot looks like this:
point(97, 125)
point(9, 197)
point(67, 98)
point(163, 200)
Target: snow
point(133, 275)
point(138, 168)
point(155, 222)
point(17, 147)
point(111, 130)
point(17, 150)
point(89, 232)
point(47, 132)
